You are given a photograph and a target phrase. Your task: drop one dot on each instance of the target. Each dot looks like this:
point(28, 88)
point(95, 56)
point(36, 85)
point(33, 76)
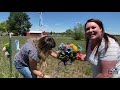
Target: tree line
point(77, 33)
point(18, 22)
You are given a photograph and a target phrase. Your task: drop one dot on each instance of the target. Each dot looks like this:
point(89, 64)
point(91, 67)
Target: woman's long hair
point(104, 35)
point(44, 45)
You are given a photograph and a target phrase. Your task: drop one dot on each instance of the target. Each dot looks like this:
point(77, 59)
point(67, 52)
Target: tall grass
point(78, 69)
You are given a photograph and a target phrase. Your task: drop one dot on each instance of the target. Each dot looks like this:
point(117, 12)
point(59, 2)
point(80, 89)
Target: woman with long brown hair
point(33, 52)
point(102, 50)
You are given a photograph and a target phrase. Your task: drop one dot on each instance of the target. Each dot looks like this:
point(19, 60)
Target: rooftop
point(35, 31)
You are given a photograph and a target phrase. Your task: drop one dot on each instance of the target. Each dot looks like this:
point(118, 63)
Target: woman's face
point(93, 31)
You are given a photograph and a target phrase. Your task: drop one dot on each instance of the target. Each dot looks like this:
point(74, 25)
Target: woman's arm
point(55, 55)
point(33, 66)
point(105, 66)
point(52, 53)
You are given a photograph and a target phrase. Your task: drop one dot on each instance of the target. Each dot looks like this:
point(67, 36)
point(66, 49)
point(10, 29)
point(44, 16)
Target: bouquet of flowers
point(6, 49)
point(69, 52)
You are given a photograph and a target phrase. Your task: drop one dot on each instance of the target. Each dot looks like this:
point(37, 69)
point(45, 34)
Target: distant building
point(4, 34)
point(36, 33)
point(45, 33)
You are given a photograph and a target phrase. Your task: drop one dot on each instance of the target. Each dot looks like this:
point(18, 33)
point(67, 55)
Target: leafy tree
point(51, 33)
point(19, 22)
point(69, 32)
point(78, 32)
point(4, 26)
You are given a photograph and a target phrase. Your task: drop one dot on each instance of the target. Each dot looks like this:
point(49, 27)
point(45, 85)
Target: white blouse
point(112, 53)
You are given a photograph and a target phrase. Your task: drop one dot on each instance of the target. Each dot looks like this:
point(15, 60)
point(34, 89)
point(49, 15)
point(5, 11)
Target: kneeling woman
point(32, 53)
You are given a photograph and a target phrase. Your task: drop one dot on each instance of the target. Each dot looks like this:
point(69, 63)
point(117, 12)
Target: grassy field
point(78, 69)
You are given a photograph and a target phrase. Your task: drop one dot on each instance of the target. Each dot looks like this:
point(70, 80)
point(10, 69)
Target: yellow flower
point(7, 44)
point(75, 48)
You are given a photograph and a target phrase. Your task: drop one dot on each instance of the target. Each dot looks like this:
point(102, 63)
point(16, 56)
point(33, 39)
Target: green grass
point(78, 69)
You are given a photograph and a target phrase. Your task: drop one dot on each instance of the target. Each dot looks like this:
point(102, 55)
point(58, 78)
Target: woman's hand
point(105, 66)
point(46, 76)
point(80, 56)
point(83, 57)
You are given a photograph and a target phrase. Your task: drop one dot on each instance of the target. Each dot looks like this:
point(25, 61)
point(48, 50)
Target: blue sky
point(61, 21)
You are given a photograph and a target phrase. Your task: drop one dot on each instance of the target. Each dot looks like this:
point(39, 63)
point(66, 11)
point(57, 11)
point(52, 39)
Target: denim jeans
point(25, 71)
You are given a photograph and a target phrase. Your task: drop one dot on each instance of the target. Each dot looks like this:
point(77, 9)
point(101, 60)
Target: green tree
point(51, 33)
point(78, 32)
point(19, 22)
point(4, 26)
point(69, 32)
